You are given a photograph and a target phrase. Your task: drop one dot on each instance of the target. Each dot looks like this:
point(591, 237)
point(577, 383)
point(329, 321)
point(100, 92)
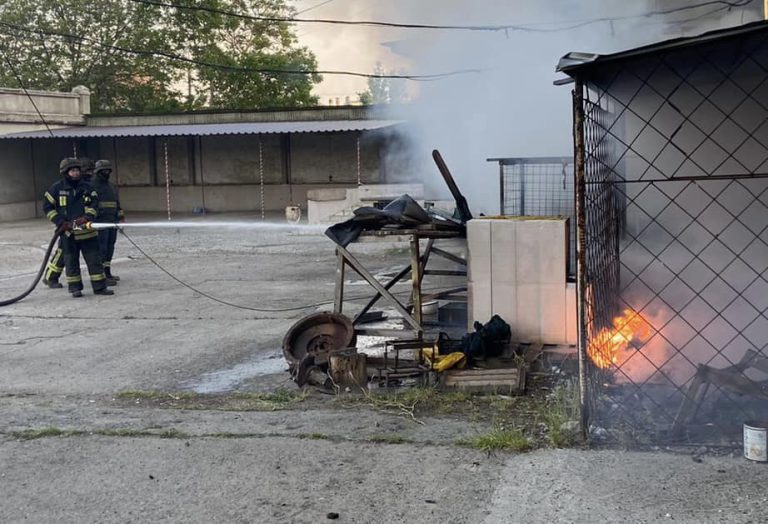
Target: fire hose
point(40, 272)
point(48, 251)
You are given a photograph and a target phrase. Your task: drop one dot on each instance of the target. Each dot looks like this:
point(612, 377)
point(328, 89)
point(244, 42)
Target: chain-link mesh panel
point(540, 186)
point(676, 211)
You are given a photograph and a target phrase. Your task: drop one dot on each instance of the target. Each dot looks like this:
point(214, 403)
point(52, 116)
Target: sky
point(509, 107)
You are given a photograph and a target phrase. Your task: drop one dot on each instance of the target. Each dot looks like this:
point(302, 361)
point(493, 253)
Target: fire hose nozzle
point(82, 227)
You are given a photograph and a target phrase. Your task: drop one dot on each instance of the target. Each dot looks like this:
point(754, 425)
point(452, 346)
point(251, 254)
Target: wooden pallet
point(508, 381)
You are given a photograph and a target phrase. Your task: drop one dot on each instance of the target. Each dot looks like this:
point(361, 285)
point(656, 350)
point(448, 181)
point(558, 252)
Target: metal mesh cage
point(539, 186)
point(676, 239)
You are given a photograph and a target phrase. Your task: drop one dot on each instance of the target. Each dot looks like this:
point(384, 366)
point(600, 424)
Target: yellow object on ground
point(451, 360)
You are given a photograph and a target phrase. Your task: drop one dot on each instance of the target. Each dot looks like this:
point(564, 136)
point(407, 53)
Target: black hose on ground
point(40, 272)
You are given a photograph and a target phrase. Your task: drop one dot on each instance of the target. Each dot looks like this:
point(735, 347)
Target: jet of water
point(168, 224)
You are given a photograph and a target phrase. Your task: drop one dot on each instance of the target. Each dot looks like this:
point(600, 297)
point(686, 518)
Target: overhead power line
point(419, 78)
point(233, 68)
point(489, 28)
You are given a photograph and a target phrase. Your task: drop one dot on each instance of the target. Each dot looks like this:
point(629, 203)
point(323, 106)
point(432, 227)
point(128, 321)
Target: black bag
point(488, 340)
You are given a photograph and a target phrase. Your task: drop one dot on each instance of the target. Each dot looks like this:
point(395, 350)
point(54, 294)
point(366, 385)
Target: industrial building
point(178, 163)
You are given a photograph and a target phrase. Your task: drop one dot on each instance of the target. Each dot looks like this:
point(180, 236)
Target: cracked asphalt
point(65, 362)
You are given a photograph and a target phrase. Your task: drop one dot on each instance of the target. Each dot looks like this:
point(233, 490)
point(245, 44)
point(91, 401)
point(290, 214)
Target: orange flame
point(611, 346)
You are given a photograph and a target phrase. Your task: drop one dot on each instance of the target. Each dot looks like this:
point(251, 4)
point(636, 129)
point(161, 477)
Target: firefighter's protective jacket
point(65, 202)
point(109, 209)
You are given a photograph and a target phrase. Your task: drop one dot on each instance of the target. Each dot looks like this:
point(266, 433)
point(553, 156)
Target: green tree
point(123, 51)
point(383, 90)
point(247, 44)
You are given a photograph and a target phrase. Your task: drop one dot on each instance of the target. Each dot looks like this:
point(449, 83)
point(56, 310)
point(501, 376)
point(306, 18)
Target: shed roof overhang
point(240, 128)
point(575, 64)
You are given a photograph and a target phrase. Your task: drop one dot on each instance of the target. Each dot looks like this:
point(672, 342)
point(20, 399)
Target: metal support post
point(581, 256)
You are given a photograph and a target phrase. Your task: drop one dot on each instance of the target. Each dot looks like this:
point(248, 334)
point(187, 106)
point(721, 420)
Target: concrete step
point(345, 214)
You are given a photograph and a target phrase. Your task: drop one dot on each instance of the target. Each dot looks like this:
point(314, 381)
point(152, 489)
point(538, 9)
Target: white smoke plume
point(511, 108)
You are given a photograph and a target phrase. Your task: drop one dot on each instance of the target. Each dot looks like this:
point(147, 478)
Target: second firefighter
point(109, 210)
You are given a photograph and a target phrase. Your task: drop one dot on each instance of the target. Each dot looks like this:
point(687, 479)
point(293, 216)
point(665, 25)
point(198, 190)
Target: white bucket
point(756, 440)
point(293, 214)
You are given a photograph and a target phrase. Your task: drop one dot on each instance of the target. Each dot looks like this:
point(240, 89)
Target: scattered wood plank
point(510, 381)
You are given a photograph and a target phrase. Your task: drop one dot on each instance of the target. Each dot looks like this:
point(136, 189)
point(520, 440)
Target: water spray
point(121, 226)
point(195, 225)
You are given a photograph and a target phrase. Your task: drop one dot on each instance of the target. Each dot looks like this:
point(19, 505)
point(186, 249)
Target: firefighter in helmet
point(109, 211)
point(87, 167)
point(71, 204)
point(55, 266)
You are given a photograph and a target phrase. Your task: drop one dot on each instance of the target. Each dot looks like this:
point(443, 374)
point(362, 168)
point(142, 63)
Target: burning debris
point(613, 346)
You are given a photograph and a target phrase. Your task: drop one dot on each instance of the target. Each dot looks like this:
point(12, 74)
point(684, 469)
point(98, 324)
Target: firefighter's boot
point(53, 284)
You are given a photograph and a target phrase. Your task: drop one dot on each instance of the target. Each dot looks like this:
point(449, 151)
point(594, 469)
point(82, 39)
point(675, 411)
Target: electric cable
point(24, 88)
point(489, 28)
point(40, 272)
point(231, 304)
point(225, 67)
point(418, 78)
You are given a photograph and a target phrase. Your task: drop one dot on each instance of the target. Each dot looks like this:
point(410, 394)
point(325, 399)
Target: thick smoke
point(510, 108)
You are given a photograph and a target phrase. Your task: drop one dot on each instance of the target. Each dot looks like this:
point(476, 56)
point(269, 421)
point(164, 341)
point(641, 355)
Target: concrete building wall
point(132, 162)
point(180, 160)
point(29, 168)
point(17, 158)
point(220, 173)
point(20, 110)
point(332, 158)
point(234, 159)
point(218, 198)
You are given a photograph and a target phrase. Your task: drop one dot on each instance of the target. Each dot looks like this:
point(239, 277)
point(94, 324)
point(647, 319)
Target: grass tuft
point(32, 434)
point(560, 414)
point(173, 433)
point(512, 439)
point(121, 433)
point(243, 401)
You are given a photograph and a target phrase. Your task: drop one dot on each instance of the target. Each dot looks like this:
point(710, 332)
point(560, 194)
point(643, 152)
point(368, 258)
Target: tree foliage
point(383, 90)
point(141, 57)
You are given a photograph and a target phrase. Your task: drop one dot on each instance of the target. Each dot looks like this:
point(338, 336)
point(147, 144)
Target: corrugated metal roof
point(573, 63)
point(241, 128)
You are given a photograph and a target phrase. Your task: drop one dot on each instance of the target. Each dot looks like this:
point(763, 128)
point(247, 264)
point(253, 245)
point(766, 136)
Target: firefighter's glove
point(65, 226)
point(81, 221)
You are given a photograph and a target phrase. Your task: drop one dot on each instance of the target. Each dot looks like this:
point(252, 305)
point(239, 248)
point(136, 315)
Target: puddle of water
point(224, 380)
